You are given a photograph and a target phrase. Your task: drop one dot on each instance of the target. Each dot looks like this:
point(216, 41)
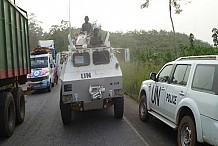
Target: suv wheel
point(118, 107)
point(143, 112)
point(186, 135)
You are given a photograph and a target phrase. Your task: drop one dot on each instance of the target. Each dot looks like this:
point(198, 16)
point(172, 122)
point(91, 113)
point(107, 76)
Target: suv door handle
point(163, 89)
point(181, 93)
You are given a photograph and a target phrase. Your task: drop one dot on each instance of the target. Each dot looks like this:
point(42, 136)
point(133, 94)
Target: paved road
point(43, 126)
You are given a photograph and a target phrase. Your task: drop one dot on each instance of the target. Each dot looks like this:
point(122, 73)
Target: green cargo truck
point(14, 65)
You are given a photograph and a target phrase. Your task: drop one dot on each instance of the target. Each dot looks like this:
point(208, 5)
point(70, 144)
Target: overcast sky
point(198, 17)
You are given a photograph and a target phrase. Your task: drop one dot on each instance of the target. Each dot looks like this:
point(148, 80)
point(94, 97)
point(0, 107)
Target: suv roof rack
point(204, 57)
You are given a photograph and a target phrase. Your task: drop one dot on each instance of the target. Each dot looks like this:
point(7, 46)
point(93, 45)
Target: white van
point(43, 72)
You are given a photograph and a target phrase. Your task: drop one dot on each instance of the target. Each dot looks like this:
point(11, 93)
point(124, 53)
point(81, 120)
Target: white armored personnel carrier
point(91, 78)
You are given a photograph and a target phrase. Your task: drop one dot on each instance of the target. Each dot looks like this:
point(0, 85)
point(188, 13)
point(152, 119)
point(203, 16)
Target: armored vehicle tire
point(186, 134)
point(65, 113)
point(7, 109)
point(19, 100)
point(118, 107)
point(143, 112)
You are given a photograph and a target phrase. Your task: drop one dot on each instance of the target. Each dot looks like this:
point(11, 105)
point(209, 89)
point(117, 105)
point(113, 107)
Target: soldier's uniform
point(96, 38)
point(86, 26)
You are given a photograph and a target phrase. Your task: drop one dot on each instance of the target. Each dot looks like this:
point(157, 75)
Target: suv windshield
point(39, 62)
point(101, 57)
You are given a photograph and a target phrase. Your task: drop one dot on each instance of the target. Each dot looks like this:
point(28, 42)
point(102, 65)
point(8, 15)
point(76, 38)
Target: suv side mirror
point(153, 76)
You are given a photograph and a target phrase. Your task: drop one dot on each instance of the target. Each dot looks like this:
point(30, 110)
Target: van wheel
point(118, 107)
point(19, 100)
point(49, 87)
point(57, 79)
point(186, 134)
point(65, 111)
point(7, 111)
point(143, 111)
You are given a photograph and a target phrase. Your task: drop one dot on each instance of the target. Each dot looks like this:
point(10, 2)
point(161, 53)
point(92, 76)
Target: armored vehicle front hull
point(91, 79)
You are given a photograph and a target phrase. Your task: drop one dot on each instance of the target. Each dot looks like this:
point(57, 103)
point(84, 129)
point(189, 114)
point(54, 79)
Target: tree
point(59, 34)
point(35, 31)
point(191, 39)
point(178, 10)
point(215, 36)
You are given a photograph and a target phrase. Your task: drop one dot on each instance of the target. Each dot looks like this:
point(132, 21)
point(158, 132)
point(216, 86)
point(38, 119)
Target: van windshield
point(39, 62)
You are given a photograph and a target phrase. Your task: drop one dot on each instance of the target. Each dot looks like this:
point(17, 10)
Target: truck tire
point(186, 134)
point(65, 111)
point(143, 112)
point(7, 114)
point(19, 100)
point(118, 107)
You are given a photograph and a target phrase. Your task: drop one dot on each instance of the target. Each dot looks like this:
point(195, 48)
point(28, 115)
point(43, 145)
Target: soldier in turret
point(95, 40)
point(86, 27)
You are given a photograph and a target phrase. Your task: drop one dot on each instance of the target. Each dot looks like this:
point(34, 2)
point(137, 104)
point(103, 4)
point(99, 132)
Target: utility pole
point(69, 20)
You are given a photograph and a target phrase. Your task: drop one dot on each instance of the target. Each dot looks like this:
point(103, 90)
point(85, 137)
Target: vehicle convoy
point(43, 72)
point(60, 58)
point(184, 95)
point(48, 44)
point(91, 78)
point(14, 65)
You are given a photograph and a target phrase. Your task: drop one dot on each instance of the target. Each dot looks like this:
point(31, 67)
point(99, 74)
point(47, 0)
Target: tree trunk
point(174, 37)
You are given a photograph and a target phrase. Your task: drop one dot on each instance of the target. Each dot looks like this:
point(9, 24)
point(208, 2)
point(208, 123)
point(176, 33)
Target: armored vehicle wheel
point(118, 107)
point(19, 100)
point(186, 135)
point(143, 112)
point(7, 109)
point(65, 111)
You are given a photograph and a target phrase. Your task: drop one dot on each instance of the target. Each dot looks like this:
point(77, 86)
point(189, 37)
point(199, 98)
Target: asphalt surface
point(43, 126)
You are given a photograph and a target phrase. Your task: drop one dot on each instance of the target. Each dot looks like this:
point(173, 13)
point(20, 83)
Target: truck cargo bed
point(14, 42)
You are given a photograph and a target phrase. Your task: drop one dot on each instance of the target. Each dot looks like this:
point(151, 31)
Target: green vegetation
point(149, 50)
point(147, 60)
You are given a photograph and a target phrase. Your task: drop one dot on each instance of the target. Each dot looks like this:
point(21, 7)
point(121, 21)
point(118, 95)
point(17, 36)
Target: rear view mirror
point(153, 76)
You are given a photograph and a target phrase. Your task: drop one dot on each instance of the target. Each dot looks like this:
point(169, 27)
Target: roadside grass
point(133, 75)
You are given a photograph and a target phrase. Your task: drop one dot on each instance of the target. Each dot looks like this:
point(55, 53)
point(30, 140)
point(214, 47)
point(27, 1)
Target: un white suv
point(184, 95)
